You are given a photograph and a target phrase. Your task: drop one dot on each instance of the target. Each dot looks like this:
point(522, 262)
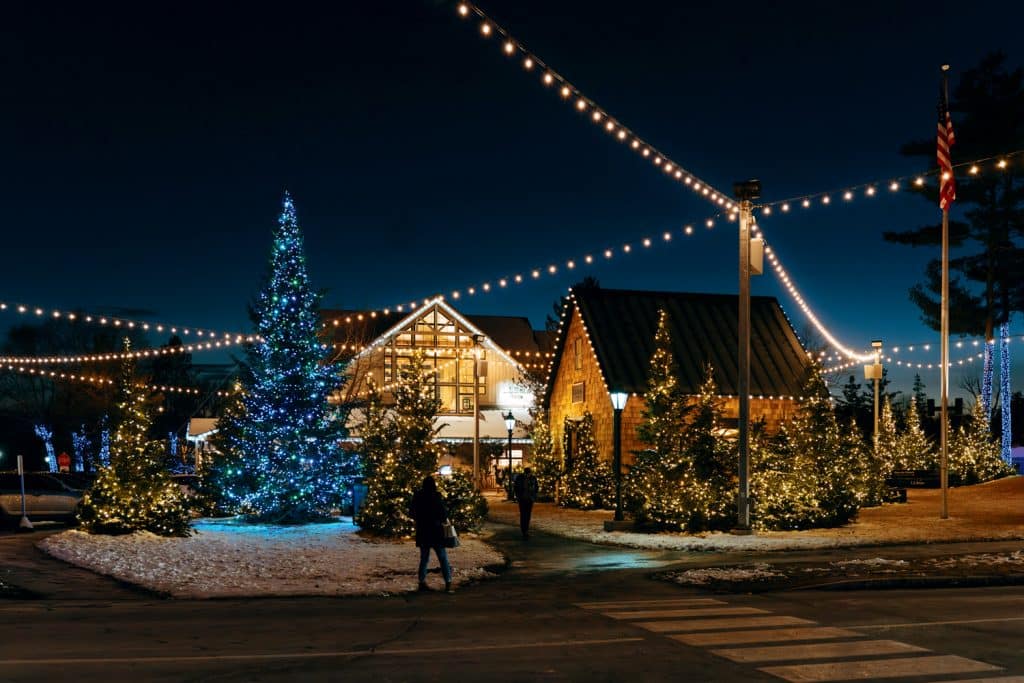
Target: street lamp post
point(874, 372)
point(510, 424)
point(619, 399)
point(746, 192)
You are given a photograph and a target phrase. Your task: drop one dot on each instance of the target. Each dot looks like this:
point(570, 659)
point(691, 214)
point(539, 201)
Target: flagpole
point(944, 356)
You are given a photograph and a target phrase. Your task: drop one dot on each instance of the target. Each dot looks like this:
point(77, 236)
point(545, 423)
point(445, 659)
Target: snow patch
point(227, 559)
point(701, 577)
point(872, 562)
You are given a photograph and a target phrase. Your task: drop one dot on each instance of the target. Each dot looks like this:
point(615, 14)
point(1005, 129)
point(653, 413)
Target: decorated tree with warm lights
point(287, 440)
point(665, 408)
point(589, 483)
point(973, 453)
point(912, 449)
point(399, 449)
point(822, 478)
point(886, 448)
point(135, 492)
point(546, 463)
point(687, 481)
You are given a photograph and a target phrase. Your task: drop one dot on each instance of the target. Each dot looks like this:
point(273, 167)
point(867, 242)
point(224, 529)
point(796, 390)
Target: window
point(577, 350)
point(579, 394)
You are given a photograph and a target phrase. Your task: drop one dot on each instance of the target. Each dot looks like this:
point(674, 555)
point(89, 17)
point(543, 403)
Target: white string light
point(549, 78)
point(994, 164)
point(104, 381)
point(109, 321)
point(141, 353)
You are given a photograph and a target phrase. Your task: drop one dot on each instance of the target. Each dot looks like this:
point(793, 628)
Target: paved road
point(589, 614)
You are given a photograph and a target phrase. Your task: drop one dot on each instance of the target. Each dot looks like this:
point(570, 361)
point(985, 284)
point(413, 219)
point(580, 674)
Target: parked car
point(46, 498)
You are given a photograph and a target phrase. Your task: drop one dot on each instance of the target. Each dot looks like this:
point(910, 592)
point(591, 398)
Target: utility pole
point(746, 192)
point(476, 411)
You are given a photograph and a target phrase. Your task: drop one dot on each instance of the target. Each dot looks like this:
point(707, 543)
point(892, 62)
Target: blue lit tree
point(284, 442)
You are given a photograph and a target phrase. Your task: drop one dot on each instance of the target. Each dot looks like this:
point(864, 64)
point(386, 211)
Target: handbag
point(451, 537)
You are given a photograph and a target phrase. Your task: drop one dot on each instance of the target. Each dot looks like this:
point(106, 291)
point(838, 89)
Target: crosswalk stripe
point(764, 636)
point(692, 612)
point(640, 604)
point(783, 653)
point(878, 668)
point(723, 624)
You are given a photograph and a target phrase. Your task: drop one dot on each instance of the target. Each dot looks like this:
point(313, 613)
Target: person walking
point(428, 512)
point(525, 487)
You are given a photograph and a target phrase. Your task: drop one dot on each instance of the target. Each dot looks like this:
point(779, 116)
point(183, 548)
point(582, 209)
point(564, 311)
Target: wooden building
point(606, 340)
point(375, 346)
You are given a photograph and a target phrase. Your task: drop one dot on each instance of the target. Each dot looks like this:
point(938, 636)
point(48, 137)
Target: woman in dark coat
point(428, 511)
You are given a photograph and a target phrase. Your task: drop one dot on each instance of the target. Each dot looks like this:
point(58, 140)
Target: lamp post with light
point(510, 424)
point(619, 399)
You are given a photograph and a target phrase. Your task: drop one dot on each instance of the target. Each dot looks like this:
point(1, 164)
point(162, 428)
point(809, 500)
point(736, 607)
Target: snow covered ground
point(228, 559)
point(986, 512)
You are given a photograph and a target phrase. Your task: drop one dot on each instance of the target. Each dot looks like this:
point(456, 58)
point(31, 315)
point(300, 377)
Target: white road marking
point(764, 636)
point(692, 612)
point(398, 652)
point(724, 624)
point(938, 623)
point(878, 668)
point(785, 653)
point(639, 604)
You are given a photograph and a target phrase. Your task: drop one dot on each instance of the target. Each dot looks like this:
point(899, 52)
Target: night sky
point(144, 149)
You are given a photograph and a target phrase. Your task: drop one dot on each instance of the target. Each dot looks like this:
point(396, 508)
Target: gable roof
point(621, 326)
point(513, 334)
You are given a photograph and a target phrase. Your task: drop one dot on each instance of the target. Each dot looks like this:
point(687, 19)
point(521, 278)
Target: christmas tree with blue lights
point(286, 438)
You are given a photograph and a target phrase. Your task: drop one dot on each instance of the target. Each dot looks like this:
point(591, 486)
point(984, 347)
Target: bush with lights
point(286, 439)
point(974, 454)
point(399, 450)
point(134, 492)
point(588, 483)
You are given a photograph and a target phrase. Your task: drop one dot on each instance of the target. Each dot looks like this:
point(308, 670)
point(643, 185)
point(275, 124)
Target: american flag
point(945, 140)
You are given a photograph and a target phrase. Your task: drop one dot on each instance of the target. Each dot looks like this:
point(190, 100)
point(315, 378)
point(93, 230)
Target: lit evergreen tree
point(665, 408)
point(288, 439)
point(886, 451)
point(546, 463)
point(135, 492)
point(589, 483)
point(713, 460)
point(973, 454)
point(399, 450)
point(920, 398)
point(913, 450)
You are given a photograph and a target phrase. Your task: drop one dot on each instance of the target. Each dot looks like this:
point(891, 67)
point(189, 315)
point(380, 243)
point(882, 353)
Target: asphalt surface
point(563, 612)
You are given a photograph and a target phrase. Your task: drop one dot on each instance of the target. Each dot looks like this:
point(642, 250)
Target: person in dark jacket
point(428, 511)
point(525, 487)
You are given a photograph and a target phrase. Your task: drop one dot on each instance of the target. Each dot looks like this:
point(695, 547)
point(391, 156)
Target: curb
point(915, 582)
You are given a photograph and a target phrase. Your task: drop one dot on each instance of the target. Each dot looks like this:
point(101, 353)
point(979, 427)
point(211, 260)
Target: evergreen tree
point(589, 483)
point(712, 458)
point(886, 449)
point(913, 450)
point(289, 437)
point(225, 482)
point(547, 465)
point(973, 454)
point(854, 403)
point(135, 492)
point(665, 408)
point(399, 450)
point(838, 472)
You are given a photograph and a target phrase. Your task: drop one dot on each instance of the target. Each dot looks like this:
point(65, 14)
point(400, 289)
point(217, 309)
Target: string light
point(141, 353)
point(512, 46)
point(104, 381)
point(111, 321)
point(916, 180)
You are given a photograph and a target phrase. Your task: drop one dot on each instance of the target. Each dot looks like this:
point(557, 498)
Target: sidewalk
point(993, 511)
